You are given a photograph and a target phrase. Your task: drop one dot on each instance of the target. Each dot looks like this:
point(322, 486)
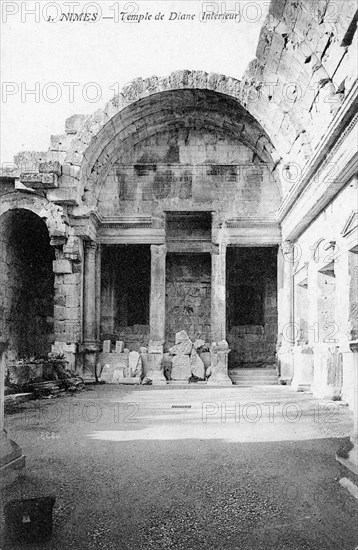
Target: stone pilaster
point(157, 293)
point(11, 457)
point(90, 342)
point(218, 293)
point(98, 292)
point(285, 340)
point(67, 299)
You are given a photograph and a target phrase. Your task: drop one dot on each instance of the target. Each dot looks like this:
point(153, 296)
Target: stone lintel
point(137, 235)
point(37, 180)
point(254, 235)
point(66, 195)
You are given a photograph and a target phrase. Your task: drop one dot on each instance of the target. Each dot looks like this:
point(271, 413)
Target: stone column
point(218, 293)
point(11, 457)
point(285, 339)
point(219, 350)
point(90, 342)
point(157, 293)
point(157, 314)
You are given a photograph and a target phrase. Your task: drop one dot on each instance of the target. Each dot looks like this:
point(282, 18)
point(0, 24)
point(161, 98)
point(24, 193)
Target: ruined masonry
point(197, 204)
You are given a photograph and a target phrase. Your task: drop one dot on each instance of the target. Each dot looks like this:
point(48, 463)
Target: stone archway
point(27, 284)
point(28, 225)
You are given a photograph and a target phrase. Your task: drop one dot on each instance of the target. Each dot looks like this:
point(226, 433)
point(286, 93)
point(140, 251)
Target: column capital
point(90, 246)
point(158, 250)
point(287, 246)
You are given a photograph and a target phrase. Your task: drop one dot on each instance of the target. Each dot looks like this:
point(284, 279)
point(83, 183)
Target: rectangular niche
point(125, 294)
point(188, 295)
point(251, 305)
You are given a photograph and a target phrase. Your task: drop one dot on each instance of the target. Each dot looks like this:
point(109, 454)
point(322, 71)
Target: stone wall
point(186, 169)
point(304, 69)
point(188, 296)
point(328, 247)
point(252, 345)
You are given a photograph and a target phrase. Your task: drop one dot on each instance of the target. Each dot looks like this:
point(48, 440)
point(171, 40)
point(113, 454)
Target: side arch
point(53, 215)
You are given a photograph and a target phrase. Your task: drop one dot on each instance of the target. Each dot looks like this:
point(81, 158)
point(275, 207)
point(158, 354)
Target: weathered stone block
point(181, 367)
point(30, 178)
point(50, 167)
point(119, 346)
point(49, 180)
point(198, 344)
point(181, 337)
point(60, 142)
point(62, 266)
point(107, 374)
point(70, 279)
point(71, 171)
point(72, 301)
point(184, 348)
point(135, 363)
point(64, 195)
point(106, 346)
point(74, 123)
point(197, 366)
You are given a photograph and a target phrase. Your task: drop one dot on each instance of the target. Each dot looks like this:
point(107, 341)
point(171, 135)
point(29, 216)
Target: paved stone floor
point(184, 467)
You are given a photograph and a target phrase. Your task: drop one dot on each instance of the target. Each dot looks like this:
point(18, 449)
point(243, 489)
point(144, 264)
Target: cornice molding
point(337, 131)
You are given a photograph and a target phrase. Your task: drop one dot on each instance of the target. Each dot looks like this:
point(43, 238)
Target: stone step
point(254, 377)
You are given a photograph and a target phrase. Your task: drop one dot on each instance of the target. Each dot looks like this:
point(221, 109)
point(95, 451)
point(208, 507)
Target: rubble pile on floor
point(185, 361)
point(38, 378)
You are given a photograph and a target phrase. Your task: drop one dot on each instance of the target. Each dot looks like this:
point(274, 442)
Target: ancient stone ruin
point(199, 203)
point(185, 362)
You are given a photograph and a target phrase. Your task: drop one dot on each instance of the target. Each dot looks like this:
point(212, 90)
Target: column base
point(90, 362)
point(303, 368)
point(155, 371)
point(219, 365)
point(12, 461)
